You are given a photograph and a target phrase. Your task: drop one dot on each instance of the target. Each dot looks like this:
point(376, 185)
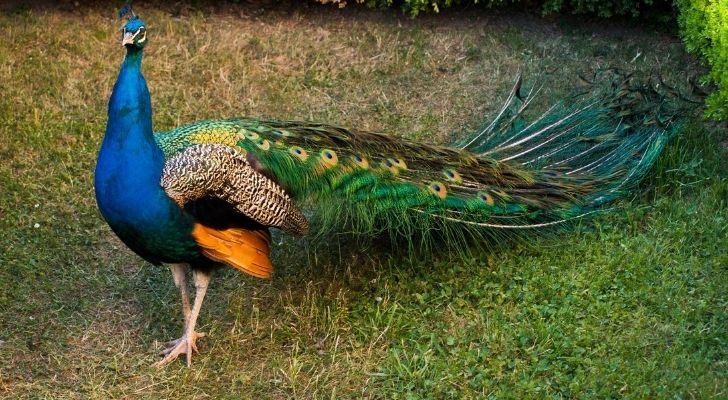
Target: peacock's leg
point(188, 342)
point(180, 280)
point(179, 274)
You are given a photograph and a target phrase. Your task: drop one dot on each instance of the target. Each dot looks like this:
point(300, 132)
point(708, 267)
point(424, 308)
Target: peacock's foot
point(187, 344)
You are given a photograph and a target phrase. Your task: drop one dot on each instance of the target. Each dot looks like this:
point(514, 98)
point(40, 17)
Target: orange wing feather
point(244, 250)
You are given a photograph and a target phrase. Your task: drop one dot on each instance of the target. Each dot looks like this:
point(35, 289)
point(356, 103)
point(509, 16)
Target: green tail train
point(511, 176)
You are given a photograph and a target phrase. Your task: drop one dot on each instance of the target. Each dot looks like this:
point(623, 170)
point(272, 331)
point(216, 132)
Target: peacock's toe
point(187, 344)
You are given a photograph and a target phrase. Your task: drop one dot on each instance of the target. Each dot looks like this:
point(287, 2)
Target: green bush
point(704, 26)
point(603, 9)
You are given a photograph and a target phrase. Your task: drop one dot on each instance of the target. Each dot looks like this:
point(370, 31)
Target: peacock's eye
point(140, 35)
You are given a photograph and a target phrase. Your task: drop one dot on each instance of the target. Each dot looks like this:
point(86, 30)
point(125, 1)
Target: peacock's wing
point(232, 203)
point(228, 174)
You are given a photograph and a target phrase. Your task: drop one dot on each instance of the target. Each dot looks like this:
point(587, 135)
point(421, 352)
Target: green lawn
point(630, 305)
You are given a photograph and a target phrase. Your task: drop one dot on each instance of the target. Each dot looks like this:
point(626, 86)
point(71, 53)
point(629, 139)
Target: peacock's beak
point(128, 38)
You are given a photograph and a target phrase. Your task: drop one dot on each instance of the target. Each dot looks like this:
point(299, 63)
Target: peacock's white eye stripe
point(141, 31)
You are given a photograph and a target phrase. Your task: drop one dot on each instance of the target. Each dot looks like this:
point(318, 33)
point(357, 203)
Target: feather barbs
point(329, 159)
point(215, 136)
point(438, 189)
point(486, 197)
point(245, 250)
point(262, 144)
point(394, 165)
point(283, 132)
point(453, 175)
point(299, 152)
point(360, 161)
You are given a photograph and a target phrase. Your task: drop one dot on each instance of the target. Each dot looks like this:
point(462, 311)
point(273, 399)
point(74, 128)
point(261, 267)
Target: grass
point(631, 305)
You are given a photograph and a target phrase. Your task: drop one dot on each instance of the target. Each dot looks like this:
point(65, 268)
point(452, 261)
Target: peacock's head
point(134, 31)
point(135, 34)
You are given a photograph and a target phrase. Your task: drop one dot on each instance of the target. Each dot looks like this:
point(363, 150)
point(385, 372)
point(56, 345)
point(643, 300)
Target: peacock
point(205, 195)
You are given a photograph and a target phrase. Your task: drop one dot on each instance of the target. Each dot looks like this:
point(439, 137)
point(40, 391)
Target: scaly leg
point(180, 280)
point(187, 343)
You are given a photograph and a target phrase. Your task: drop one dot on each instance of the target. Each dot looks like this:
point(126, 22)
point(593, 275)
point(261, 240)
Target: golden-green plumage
point(510, 175)
point(314, 159)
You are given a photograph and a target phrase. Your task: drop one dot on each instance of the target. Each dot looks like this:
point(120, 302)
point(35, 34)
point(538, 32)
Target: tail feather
point(511, 175)
point(242, 249)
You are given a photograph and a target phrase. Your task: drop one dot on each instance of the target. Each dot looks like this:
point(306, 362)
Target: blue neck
point(130, 163)
point(128, 173)
point(130, 117)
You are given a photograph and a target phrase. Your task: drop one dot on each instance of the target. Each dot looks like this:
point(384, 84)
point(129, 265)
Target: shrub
point(603, 9)
point(704, 26)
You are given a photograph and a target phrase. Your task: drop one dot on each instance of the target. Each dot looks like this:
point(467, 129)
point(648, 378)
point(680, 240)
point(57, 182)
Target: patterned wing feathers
point(225, 172)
